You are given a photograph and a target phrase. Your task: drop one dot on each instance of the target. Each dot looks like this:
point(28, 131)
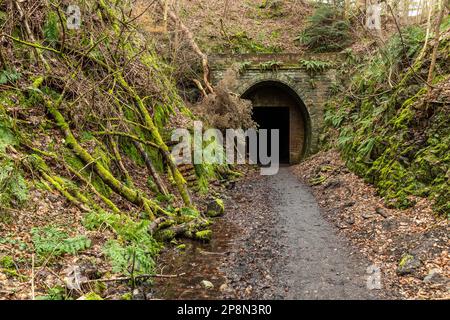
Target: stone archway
point(277, 105)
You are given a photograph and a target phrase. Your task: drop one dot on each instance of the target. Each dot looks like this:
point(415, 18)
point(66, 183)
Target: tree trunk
point(437, 35)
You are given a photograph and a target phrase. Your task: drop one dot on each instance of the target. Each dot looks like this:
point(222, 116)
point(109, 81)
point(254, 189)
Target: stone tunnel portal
point(277, 106)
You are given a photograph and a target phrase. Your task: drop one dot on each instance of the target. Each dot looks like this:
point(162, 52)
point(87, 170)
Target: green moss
point(240, 43)
point(405, 259)
point(205, 235)
point(7, 262)
point(395, 138)
point(215, 208)
point(92, 296)
point(127, 296)
point(8, 267)
point(87, 172)
point(181, 246)
point(14, 188)
point(130, 150)
point(165, 235)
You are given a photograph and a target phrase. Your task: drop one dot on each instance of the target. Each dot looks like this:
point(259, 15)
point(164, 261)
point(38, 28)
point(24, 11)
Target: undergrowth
point(52, 241)
point(391, 128)
point(88, 114)
point(326, 31)
point(134, 249)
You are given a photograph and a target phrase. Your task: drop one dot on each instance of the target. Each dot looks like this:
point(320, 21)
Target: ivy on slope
point(392, 129)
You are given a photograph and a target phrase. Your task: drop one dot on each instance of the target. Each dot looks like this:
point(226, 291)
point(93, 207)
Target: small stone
point(224, 288)
point(381, 212)
point(350, 219)
point(333, 184)
point(215, 208)
point(248, 290)
point(434, 276)
point(408, 264)
point(367, 215)
point(230, 185)
point(138, 295)
point(349, 204)
point(388, 225)
point(206, 284)
point(341, 225)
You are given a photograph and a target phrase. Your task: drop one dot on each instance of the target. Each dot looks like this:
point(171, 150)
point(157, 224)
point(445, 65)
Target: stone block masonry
point(271, 80)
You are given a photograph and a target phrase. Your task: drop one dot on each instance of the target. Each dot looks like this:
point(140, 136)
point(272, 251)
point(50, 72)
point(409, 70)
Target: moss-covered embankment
point(88, 113)
point(392, 127)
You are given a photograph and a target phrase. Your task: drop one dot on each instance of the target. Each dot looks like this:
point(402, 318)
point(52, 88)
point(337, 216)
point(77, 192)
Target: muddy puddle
point(198, 262)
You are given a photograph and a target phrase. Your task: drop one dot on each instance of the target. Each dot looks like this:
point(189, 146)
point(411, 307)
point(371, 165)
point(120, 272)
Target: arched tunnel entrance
point(277, 106)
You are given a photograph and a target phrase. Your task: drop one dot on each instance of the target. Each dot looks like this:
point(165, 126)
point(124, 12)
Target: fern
point(51, 28)
point(127, 258)
point(244, 66)
point(345, 139)
point(365, 148)
point(326, 31)
point(55, 242)
point(9, 76)
point(271, 65)
point(54, 293)
point(134, 243)
point(334, 117)
point(315, 66)
point(13, 187)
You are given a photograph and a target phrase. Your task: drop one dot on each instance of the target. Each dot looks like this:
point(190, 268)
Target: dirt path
point(272, 244)
point(319, 264)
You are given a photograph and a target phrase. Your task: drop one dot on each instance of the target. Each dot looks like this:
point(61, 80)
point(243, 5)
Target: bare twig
point(194, 46)
point(437, 36)
point(32, 276)
point(141, 276)
point(404, 48)
point(157, 179)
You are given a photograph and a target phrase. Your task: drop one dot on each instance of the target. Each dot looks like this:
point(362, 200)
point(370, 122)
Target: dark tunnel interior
point(274, 118)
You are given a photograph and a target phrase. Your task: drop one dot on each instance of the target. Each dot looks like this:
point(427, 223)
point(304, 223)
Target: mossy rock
point(165, 235)
point(408, 264)
point(205, 235)
point(215, 208)
point(127, 296)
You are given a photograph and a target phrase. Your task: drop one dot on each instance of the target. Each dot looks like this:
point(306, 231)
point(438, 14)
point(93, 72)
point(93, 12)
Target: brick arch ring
point(286, 84)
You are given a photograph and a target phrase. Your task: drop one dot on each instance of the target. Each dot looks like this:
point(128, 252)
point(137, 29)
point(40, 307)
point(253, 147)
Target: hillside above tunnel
point(253, 26)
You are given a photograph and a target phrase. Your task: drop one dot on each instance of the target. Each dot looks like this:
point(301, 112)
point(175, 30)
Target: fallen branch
point(134, 196)
point(200, 87)
point(437, 35)
point(141, 276)
point(127, 135)
point(148, 163)
point(194, 46)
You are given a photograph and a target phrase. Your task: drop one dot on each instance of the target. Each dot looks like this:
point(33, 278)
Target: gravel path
point(272, 243)
point(316, 263)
